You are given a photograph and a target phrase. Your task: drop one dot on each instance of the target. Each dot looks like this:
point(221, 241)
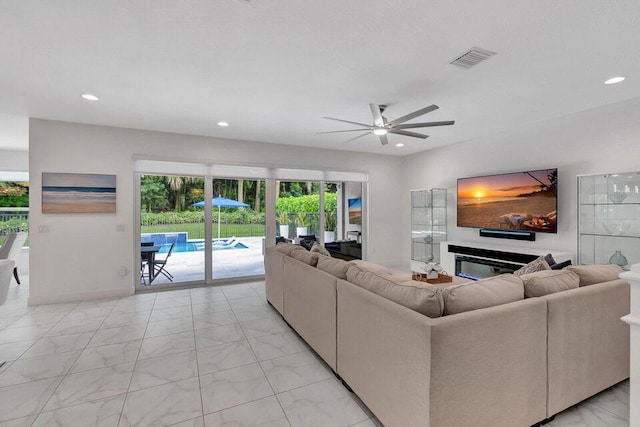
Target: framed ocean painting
point(78, 193)
point(355, 211)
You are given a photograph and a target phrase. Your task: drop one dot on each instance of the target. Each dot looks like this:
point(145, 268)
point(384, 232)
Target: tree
point(153, 193)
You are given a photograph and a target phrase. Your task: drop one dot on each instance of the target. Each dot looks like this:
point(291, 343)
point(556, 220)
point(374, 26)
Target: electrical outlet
point(123, 271)
point(120, 227)
point(43, 229)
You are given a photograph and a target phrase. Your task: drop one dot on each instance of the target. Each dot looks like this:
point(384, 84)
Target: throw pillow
point(537, 264)
point(548, 282)
point(316, 247)
point(596, 273)
point(287, 248)
point(369, 266)
point(561, 265)
point(484, 293)
point(550, 260)
point(306, 257)
point(334, 266)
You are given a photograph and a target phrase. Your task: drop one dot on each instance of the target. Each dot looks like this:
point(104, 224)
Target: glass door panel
point(171, 230)
point(238, 228)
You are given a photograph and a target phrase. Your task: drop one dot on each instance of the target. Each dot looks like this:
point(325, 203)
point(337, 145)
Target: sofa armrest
point(383, 354)
point(274, 278)
point(489, 366)
point(588, 343)
point(310, 306)
point(483, 368)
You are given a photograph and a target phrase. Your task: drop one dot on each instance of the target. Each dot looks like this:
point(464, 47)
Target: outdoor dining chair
point(160, 264)
point(11, 249)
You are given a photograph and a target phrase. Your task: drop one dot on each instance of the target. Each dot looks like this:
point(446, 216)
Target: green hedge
point(310, 203)
point(237, 216)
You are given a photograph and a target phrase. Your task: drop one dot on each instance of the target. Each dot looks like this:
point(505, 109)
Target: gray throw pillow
point(537, 264)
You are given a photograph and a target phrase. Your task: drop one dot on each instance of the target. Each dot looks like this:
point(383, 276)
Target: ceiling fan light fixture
point(614, 80)
point(380, 131)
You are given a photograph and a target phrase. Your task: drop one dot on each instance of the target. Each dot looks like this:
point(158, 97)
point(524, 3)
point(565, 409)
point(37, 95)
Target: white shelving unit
point(428, 226)
point(609, 217)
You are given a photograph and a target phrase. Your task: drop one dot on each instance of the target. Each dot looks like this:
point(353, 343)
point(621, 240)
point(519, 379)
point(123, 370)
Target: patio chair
point(160, 264)
point(12, 248)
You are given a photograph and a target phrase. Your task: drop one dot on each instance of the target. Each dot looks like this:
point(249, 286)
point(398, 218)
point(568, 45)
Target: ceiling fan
point(381, 126)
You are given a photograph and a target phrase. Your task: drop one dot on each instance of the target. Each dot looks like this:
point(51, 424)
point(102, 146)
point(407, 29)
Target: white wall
point(606, 139)
point(80, 255)
point(11, 160)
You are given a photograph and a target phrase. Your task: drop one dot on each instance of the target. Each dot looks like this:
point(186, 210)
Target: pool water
point(198, 246)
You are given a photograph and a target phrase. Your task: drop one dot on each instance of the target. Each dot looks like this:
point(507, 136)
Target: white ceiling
point(273, 68)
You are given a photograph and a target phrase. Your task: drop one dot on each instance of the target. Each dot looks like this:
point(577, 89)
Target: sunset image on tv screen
point(515, 201)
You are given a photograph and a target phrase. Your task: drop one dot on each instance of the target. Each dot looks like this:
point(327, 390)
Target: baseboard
point(78, 296)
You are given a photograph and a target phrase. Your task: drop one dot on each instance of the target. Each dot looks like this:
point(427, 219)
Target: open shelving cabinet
point(609, 217)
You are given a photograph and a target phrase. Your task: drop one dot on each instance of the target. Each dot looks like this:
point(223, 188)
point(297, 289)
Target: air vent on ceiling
point(472, 57)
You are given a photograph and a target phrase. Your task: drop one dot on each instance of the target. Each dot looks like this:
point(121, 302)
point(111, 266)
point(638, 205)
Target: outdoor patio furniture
point(147, 258)
point(11, 250)
point(160, 264)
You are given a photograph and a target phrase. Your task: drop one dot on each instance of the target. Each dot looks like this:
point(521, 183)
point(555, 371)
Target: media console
point(478, 260)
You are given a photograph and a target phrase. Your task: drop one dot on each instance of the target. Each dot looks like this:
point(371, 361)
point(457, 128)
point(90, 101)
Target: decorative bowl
point(616, 228)
point(617, 196)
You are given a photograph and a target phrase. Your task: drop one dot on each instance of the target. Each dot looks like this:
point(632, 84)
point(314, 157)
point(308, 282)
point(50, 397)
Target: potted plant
point(302, 223)
point(330, 227)
point(283, 219)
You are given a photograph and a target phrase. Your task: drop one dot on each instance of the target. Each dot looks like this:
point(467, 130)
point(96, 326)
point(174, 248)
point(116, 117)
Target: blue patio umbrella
point(222, 202)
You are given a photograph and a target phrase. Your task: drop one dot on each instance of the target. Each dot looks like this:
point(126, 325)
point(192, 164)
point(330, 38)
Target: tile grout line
point(195, 350)
point(135, 363)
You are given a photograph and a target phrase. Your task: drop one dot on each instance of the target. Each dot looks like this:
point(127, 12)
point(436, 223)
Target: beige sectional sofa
point(467, 354)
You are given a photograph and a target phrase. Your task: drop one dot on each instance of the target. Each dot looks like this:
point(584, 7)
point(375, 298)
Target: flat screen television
point(512, 201)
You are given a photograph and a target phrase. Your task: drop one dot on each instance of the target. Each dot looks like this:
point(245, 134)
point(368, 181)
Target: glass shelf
point(428, 224)
point(609, 217)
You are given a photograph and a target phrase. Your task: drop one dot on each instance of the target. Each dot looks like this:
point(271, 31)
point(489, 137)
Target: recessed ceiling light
point(380, 131)
point(223, 124)
point(399, 144)
point(614, 80)
point(89, 97)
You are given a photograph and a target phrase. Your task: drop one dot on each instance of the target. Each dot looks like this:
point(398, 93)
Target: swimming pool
point(198, 246)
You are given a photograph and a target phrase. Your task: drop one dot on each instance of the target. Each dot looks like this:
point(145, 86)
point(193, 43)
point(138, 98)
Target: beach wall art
point(78, 193)
point(355, 211)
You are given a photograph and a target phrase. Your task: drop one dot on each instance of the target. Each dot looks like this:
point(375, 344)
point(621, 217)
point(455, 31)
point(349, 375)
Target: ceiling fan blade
point(413, 115)
point(406, 133)
point(339, 131)
point(347, 121)
point(359, 136)
point(377, 115)
point(383, 139)
point(424, 125)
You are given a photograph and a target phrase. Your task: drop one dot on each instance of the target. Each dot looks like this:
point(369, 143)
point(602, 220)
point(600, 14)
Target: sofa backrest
point(483, 293)
point(597, 273)
point(418, 296)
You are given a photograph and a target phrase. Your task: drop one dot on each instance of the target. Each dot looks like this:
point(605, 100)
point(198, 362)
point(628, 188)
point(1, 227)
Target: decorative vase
point(284, 231)
point(619, 259)
point(329, 236)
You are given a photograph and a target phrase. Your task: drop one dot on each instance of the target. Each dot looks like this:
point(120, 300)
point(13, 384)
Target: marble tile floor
point(192, 357)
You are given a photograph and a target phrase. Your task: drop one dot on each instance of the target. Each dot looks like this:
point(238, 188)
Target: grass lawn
point(196, 231)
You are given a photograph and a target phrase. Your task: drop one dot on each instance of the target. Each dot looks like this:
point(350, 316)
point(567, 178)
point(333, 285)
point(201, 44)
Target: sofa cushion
point(548, 282)
point(550, 260)
point(418, 296)
point(537, 264)
point(305, 256)
point(334, 266)
point(371, 267)
point(596, 273)
point(317, 247)
point(287, 248)
point(484, 293)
